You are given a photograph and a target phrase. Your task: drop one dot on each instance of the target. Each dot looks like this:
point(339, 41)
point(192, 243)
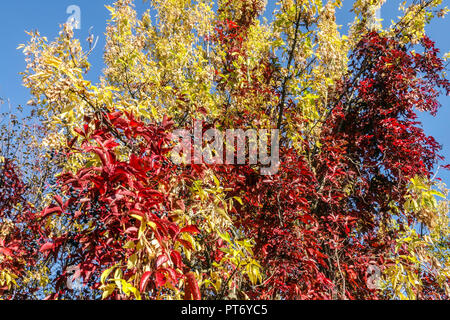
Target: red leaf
point(6, 252)
point(161, 259)
point(176, 258)
point(59, 200)
point(192, 291)
point(144, 281)
point(185, 243)
point(50, 210)
point(181, 204)
point(131, 230)
point(160, 279)
point(190, 229)
point(46, 247)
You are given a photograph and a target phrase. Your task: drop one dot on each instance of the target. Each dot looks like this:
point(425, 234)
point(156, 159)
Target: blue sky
point(47, 15)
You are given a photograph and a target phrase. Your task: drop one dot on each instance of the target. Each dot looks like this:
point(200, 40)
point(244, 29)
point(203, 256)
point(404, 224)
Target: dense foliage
point(354, 189)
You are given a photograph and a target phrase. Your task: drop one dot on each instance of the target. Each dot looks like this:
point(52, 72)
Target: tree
point(354, 186)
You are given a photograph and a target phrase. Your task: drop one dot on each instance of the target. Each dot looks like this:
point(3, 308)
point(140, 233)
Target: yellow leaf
point(106, 274)
point(53, 61)
point(132, 260)
point(108, 290)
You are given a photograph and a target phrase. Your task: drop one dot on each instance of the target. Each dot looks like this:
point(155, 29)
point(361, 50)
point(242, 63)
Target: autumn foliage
point(355, 185)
